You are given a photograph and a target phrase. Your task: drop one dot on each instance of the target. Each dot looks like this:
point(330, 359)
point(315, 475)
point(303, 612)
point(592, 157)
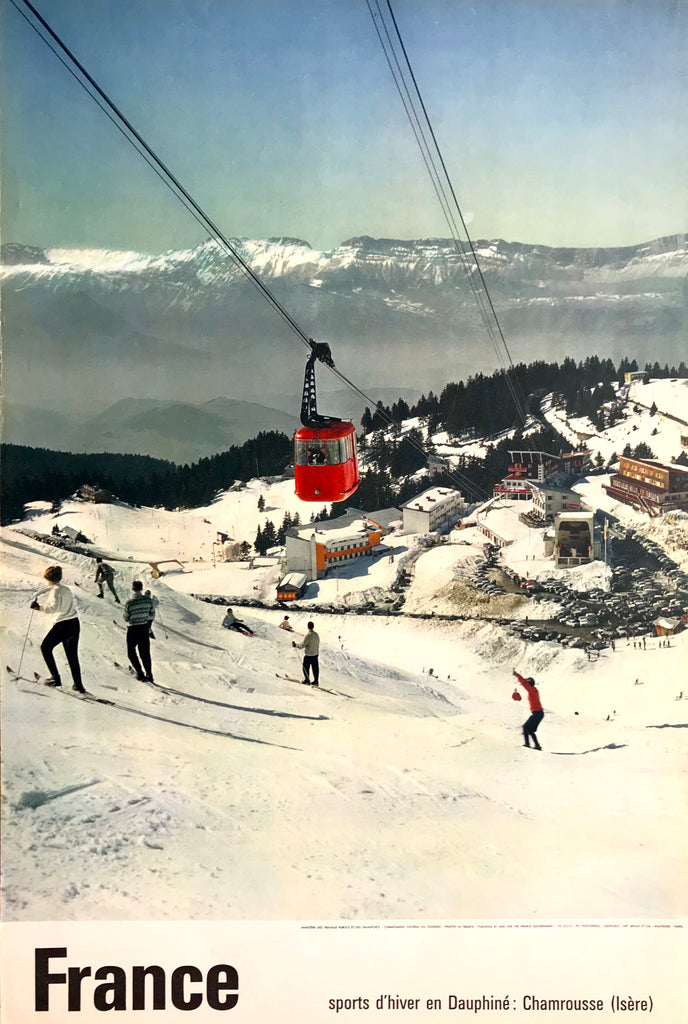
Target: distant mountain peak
point(286, 240)
point(14, 253)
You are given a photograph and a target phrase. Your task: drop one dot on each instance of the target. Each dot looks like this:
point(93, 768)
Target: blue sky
point(560, 122)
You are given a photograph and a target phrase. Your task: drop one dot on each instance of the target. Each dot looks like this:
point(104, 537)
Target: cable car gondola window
point(300, 453)
point(347, 447)
point(333, 453)
point(316, 453)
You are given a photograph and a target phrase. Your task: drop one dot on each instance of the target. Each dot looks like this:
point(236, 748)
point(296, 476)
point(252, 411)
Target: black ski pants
point(138, 643)
point(240, 627)
point(530, 726)
point(311, 662)
point(107, 580)
point(67, 634)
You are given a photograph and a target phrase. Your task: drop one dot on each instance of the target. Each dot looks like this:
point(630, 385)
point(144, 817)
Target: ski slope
point(228, 792)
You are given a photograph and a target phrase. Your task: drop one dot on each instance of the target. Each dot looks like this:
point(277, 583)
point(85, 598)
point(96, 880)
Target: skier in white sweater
point(59, 602)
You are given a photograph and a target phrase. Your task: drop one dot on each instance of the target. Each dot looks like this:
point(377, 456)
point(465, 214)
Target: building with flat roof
point(498, 522)
point(438, 508)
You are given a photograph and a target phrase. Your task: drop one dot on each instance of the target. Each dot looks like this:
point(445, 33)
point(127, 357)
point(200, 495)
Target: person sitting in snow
point(285, 624)
point(230, 621)
point(536, 715)
point(105, 574)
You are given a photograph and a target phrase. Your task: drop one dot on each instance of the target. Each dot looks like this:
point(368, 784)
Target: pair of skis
point(38, 680)
point(323, 689)
point(92, 699)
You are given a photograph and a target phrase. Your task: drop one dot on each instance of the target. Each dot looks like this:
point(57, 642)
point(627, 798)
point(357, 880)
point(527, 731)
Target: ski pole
point(21, 659)
point(159, 616)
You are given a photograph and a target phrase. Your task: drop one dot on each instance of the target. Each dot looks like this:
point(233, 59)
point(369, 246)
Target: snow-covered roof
point(429, 499)
point(355, 531)
point(552, 488)
point(502, 519)
point(352, 523)
point(294, 579)
point(673, 466)
point(664, 623)
point(575, 516)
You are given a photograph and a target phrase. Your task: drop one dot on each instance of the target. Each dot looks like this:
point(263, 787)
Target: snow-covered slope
point(226, 791)
point(229, 792)
point(655, 413)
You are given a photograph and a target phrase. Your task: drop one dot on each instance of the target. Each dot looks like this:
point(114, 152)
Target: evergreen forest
point(482, 406)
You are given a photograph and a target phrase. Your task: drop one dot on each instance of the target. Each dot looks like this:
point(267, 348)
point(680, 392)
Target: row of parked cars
point(653, 586)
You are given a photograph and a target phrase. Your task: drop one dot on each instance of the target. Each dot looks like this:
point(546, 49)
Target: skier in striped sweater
point(139, 612)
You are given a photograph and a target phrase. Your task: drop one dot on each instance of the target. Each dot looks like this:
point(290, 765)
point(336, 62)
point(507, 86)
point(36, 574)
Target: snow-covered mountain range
point(188, 325)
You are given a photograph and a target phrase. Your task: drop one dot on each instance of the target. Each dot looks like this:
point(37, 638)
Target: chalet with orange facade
point(315, 548)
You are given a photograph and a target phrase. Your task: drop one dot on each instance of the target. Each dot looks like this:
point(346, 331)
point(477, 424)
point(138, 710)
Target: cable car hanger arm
point(310, 417)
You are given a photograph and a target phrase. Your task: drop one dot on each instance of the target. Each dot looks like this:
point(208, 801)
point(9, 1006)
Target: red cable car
point(325, 463)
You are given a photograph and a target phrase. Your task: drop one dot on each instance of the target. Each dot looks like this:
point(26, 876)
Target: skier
point(284, 624)
point(139, 612)
point(311, 646)
point(156, 602)
point(537, 714)
point(230, 621)
point(105, 574)
point(65, 630)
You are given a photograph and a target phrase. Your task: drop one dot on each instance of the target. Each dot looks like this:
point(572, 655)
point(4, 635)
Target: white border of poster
point(316, 971)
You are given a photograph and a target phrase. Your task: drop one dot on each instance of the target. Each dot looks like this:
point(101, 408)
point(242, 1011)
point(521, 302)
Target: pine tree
point(269, 534)
point(286, 525)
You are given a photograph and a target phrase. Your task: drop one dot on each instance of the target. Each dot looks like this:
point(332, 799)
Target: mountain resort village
point(550, 512)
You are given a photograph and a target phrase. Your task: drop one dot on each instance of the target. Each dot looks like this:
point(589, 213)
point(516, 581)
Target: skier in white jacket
point(311, 646)
point(65, 630)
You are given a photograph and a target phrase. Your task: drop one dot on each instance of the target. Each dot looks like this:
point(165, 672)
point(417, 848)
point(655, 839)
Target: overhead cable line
point(69, 60)
point(75, 68)
point(399, 63)
point(127, 129)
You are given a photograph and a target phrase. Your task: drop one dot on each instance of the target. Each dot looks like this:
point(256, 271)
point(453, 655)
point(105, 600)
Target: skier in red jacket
point(537, 714)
